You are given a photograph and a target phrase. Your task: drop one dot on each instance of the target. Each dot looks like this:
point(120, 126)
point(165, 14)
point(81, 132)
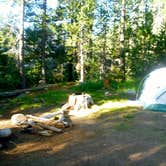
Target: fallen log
point(52, 128)
point(41, 119)
point(66, 107)
point(40, 126)
point(52, 115)
point(19, 91)
point(25, 121)
point(64, 118)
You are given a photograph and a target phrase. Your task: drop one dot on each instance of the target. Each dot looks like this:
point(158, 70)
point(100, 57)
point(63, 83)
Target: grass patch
point(29, 106)
point(37, 100)
point(53, 97)
point(100, 98)
point(99, 85)
point(129, 116)
point(117, 118)
point(107, 112)
point(58, 95)
point(123, 113)
point(122, 126)
point(121, 118)
point(163, 138)
point(129, 84)
point(97, 91)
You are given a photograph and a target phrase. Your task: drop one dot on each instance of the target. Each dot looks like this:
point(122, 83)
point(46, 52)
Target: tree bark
point(21, 46)
point(80, 101)
point(122, 40)
point(43, 54)
point(81, 57)
point(103, 73)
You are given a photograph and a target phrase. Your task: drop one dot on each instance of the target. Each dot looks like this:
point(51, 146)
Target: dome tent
point(153, 93)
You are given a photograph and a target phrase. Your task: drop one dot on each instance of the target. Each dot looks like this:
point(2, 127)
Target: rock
point(5, 132)
point(19, 119)
point(131, 94)
point(107, 93)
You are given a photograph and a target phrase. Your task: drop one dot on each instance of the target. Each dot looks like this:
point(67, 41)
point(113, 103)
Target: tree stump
point(80, 101)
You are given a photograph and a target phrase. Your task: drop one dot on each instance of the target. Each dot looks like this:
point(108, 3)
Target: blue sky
point(6, 9)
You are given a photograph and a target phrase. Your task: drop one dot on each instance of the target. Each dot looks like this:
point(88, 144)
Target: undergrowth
point(58, 96)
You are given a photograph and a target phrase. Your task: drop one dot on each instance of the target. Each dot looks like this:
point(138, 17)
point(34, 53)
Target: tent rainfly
point(153, 91)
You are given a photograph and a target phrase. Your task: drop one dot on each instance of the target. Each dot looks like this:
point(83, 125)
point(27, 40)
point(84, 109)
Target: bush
point(89, 86)
point(9, 73)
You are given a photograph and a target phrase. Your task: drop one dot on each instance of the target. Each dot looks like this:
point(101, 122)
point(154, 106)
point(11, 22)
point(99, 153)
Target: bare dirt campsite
point(110, 133)
point(70, 74)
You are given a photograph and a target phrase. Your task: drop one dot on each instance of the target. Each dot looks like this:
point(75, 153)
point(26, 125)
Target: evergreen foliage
point(83, 39)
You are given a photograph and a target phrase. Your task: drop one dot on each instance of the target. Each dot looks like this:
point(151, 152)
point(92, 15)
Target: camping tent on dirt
point(152, 95)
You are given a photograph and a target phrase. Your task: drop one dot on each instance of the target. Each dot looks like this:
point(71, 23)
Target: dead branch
point(49, 127)
point(40, 119)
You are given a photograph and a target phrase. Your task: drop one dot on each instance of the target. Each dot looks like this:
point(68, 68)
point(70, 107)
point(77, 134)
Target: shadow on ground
point(126, 136)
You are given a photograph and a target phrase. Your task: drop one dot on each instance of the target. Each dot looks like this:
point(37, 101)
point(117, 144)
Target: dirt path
point(107, 139)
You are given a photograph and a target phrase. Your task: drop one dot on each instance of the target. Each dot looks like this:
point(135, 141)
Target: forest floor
point(115, 133)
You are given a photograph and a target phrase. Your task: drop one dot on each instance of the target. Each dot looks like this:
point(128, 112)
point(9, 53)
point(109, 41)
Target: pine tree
point(21, 46)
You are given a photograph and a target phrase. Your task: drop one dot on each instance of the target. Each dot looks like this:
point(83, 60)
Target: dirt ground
point(106, 139)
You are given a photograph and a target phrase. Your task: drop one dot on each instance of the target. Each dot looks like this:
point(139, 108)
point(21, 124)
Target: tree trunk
point(104, 74)
point(81, 58)
point(43, 54)
point(122, 40)
point(21, 46)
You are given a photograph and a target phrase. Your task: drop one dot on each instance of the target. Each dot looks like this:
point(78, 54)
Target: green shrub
point(9, 73)
point(88, 86)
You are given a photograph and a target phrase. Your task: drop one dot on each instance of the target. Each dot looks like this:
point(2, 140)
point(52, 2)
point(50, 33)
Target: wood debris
point(29, 122)
point(47, 124)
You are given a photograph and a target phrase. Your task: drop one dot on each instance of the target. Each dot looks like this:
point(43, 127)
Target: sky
point(6, 9)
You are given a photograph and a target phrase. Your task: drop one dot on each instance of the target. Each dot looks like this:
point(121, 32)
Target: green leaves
point(90, 28)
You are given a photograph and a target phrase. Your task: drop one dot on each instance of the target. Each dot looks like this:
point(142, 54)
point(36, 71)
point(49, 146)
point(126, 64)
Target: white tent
point(153, 92)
